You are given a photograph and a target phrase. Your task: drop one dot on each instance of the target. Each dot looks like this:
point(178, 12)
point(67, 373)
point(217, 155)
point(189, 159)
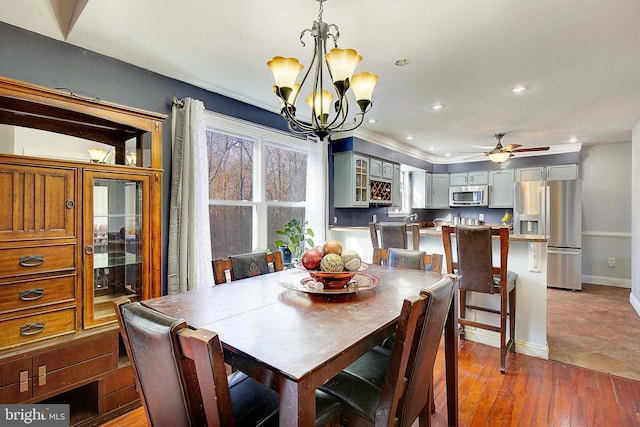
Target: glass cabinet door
point(116, 242)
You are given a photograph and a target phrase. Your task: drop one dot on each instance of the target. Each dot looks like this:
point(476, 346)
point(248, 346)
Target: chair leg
point(512, 318)
point(433, 400)
point(503, 332)
point(463, 311)
point(424, 418)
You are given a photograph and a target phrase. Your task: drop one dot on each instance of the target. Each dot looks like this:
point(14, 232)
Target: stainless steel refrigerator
point(553, 208)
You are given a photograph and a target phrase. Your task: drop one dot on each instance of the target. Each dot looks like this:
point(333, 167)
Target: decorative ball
point(311, 259)
point(351, 260)
point(332, 247)
point(332, 263)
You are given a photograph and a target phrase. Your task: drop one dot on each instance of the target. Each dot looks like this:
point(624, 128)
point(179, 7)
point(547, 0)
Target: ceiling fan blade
point(524, 150)
point(511, 147)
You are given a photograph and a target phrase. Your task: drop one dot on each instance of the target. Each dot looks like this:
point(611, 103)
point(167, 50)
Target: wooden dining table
point(294, 338)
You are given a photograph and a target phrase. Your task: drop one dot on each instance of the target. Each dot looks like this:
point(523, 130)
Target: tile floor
point(595, 328)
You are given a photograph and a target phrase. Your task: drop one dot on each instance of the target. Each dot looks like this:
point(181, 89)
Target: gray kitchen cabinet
point(501, 188)
point(469, 178)
point(557, 172)
point(381, 169)
point(420, 189)
point(439, 191)
point(542, 173)
point(350, 180)
point(530, 174)
point(396, 190)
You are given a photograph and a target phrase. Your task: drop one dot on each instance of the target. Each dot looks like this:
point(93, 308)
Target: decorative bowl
point(332, 280)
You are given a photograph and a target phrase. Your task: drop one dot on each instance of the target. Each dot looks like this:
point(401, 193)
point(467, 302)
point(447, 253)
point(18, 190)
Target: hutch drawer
point(24, 260)
point(36, 327)
point(37, 292)
point(15, 381)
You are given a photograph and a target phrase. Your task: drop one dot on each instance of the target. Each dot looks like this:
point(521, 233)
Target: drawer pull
point(31, 260)
point(32, 328)
point(32, 294)
point(70, 204)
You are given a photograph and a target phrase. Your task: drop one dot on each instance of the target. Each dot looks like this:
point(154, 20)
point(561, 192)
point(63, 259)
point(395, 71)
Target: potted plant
point(297, 234)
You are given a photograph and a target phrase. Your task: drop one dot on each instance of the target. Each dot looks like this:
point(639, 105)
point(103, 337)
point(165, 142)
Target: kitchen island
point(527, 257)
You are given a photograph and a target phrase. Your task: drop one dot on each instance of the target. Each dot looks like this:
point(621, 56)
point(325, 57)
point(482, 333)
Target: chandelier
point(340, 65)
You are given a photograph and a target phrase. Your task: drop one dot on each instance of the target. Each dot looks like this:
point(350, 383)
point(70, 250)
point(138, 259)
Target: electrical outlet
point(481, 217)
point(375, 218)
point(335, 219)
point(612, 262)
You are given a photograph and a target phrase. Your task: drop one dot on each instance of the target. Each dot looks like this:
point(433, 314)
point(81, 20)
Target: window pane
point(286, 174)
point(230, 167)
point(277, 217)
point(230, 230)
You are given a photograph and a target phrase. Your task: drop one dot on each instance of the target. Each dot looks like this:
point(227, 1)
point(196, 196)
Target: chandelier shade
point(333, 69)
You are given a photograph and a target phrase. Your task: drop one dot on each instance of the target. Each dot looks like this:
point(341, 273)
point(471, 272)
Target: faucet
point(412, 217)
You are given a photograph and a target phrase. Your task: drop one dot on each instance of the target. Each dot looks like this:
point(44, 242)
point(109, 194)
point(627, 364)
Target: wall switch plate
point(335, 219)
point(612, 263)
point(375, 218)
point(481, 217)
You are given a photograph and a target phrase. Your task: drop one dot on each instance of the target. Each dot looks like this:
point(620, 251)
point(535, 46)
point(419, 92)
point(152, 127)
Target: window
point(257, 183)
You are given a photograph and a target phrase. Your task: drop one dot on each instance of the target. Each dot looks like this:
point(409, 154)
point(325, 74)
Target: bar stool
point(474, 266)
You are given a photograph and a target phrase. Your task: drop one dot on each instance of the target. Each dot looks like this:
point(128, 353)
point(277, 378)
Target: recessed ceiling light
point(437, 106)
point(573, 139)
point(373, 121)
point(409, 138)
point(402, 62)
point(519, 89)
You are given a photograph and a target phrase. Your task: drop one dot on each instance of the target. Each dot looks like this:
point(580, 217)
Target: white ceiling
point(580, 59)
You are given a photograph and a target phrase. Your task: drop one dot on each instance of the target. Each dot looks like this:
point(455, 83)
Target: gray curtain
point(189, 254)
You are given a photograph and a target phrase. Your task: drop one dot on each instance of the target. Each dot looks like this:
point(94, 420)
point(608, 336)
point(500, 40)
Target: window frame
point(261, 137)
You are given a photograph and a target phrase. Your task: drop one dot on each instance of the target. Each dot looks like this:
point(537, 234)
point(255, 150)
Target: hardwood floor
point(533, 392)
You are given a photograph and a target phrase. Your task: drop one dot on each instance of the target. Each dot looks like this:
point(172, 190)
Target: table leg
point(451, 362)
point(297, 404)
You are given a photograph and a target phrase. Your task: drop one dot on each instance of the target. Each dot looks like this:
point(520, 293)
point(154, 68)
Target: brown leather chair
point(180, 375)
point(246, 265)
point(408, 258)
point(392, 387)
point(394, 235)
point(474, 265)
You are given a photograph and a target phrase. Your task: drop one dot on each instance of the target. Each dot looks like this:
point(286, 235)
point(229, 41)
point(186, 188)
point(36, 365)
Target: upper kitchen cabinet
point(381, 169)
point(542, 173)
point(350, 180)
point(439, 191)
point(468, 178)
point(396, 189)
point(420, 188)
point(501, 188)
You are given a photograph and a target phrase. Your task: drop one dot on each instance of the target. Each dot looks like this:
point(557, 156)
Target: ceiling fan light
point(499, 157)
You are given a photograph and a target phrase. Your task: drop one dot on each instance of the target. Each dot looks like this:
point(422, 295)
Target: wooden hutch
point(74, 235)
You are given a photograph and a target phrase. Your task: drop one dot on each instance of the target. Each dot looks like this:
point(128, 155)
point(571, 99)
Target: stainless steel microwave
point(469, 195)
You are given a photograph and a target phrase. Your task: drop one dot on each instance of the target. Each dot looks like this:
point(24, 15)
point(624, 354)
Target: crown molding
point(468, 158)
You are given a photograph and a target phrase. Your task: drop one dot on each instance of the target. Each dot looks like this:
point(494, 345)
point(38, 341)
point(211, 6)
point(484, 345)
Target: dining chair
point(246, 265)
point(408, 258)
point(475, 266)
point(391, 387)
point(394, 235)
point(180, 375)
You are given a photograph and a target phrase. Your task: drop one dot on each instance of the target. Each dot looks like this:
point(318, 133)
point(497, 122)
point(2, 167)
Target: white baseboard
point(635, 303)
point(607, 281)
point(493, 339)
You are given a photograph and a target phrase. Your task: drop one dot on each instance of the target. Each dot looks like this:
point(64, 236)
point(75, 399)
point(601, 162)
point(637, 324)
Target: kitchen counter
point(527, 257)
point(431, 232)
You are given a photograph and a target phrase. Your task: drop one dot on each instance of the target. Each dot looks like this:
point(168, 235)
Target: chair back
point(394, 235)
point(166, 381)
point(246, 265)
point(408, 258)
point(404, 394)
point(474, 263)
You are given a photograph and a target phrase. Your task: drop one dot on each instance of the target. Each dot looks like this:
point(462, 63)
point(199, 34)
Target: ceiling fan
point(500, 154)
